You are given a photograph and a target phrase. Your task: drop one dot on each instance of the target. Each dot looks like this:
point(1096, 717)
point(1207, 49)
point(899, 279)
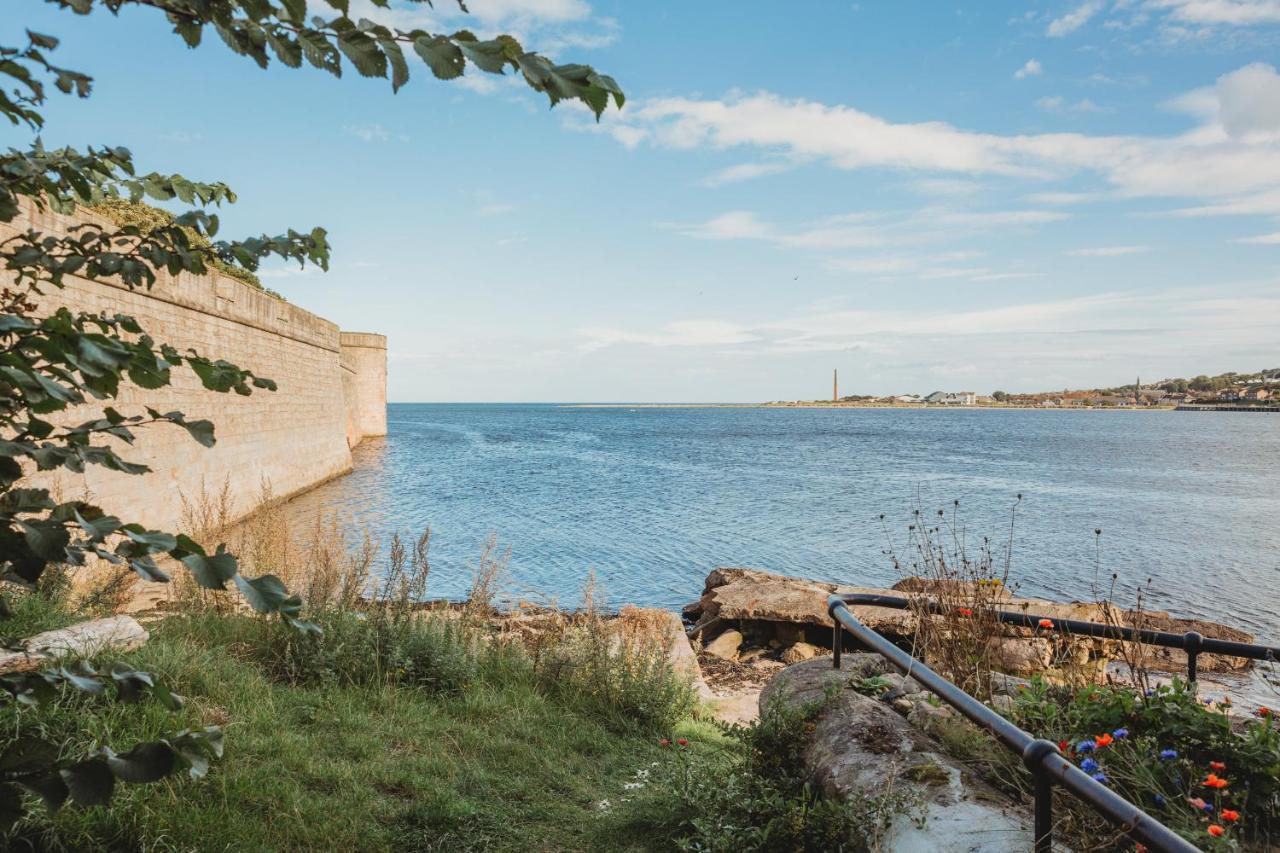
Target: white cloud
point(1230, 12)
point(1261, 239)
point(683, 333)
point(1032, 68)
point(744, 172)
point(1058, 104)
point(1073, 20)
point(1107, 251)
point(374, 133)
point(1234, 151)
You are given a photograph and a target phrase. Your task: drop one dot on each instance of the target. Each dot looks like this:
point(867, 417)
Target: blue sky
point(978, 196)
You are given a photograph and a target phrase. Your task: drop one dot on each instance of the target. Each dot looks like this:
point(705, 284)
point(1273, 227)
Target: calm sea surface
point(652, 499)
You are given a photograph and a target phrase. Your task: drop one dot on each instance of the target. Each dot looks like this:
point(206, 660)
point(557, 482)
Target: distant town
point(1226, 391)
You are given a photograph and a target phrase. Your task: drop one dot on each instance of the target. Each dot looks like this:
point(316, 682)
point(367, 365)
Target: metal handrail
point(1047, 764)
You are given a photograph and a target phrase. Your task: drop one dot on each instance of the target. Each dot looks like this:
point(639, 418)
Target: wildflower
point(1100, 777)
point(1063, 746)
point(1139, 848)
point(964, 611)
point(1264, 712)
point(1084, 746)
point(1217, 765)
point(1149, 693)
point(1158, 799)
point(1103, 739)
point(1088, 765)
point(1197, 803)
point(1230, 814)
point(1120, 733)
point(664, 742)
point(1215, 781)
point(1207, 808)
point(1046, 623)
point(1215, 830)
point(682, 742)
point(1168, 754)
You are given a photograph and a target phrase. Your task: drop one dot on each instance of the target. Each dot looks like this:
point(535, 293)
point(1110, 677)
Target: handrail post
point(1033, 757)
point(1194, 640)
point(837, 641)
point(1044, 813)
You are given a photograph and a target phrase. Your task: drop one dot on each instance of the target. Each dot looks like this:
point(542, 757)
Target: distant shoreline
point(915, 407)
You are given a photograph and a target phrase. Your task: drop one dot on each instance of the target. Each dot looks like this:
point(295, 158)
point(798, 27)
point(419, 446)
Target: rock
point(726, 645)
point(928, 717)
point(665, 627)
point(902, 705)
point(860, 748)
point(1021, 656)
point(799, 652)
point(116, 633)
point(819, 675)
point(1007, 685)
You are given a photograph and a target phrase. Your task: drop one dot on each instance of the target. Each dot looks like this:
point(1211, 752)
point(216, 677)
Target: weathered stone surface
point(726, 645)
point(332, 390)
point(799, 652)
point(1021, 656)
point(116, 633)
point(749, 597)
point(667, 629)
point(862, 748)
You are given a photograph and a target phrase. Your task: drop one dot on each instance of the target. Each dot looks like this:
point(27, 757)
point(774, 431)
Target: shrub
point(756, 796)
point(1172, 754)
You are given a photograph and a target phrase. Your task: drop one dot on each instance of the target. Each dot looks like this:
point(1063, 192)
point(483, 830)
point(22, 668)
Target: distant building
point(953, 398)
point(1255, 394)
point(1230, 395)
point(907, 398)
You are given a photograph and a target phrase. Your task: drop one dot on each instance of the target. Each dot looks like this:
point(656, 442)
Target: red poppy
point(1214, 781)
point(682, 742)
point(1139, 848)
point(1230, 814)
point(964, 611)
point(1063, 746)
point(664, 742)
point(1046, 623)
point(1217, 765)
point(1196, 803)
point(1104, 739)
point(1215, 830)
point(1263, 712)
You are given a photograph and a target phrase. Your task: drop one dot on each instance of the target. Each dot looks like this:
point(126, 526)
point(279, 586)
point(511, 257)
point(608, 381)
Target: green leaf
point(47, 540)
point(146, 762)
point(363, 52)
point(27, 754)
point(265, 594)
point(211, 572)
point(201, 431)
point(11, 808)
point(441, 55)
point(90, 782)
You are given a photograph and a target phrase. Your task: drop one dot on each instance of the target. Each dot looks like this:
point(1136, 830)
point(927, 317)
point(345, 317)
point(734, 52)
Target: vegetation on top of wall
point(125, 212)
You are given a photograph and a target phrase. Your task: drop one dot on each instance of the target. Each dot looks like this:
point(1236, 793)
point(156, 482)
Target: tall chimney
point(835, 386)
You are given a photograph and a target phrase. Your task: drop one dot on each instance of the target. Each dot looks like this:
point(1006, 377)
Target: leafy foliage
point(260, 30)
point(54, 362)
point(1158, 749)
point(35, 766)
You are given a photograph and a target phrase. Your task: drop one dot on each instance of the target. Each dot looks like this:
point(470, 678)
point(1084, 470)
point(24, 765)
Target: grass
point(502, 764)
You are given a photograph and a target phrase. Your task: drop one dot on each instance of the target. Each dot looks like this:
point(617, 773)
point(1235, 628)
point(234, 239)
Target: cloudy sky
point(982, 195)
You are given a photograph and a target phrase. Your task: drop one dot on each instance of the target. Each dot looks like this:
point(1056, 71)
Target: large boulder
point(792, 610)
point(860, 748)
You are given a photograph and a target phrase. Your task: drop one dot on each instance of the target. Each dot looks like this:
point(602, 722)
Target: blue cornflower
point(1088, 765)
point(1119, 733)
point(1208, 807)
point(1168, 754)
point(1149, 693)
point(1084, 746)
point(1100, 777)
point(1158, 799)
